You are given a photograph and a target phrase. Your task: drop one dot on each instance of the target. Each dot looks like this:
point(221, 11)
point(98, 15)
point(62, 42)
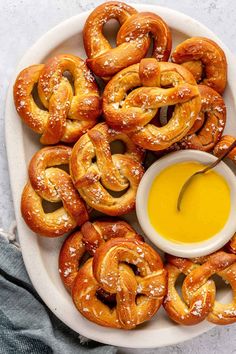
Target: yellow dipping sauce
point(205, 205)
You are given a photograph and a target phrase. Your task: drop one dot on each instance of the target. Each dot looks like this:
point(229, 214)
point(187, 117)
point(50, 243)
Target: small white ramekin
point(194, 249)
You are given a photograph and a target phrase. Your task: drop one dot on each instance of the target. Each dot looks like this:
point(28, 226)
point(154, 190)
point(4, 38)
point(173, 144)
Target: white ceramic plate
point(41, 254)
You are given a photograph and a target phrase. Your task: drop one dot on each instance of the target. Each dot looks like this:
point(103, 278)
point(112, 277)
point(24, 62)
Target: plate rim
point(11, 134)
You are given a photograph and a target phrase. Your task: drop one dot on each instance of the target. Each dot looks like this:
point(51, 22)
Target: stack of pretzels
point(165, 102)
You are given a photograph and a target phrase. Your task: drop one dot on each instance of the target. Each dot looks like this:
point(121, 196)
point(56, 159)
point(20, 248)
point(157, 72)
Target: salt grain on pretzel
point(163, 84)
point(50, 183)
point(133, 38)
point(138, 297)
point(65, 115)
point(89, 238)
point(199, 291)
point(95, 170)
point(223, 145)
point(209, 125)
point(205, 60)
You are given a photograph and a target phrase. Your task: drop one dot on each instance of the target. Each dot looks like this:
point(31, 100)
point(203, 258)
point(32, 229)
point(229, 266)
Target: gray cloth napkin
point(26, 324)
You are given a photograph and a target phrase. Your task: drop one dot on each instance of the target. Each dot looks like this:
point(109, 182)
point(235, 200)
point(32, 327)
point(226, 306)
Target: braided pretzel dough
point(97, 233)
point(199, 291)
point(108, 270)
point(132, 40)
point(89, 238)
point(117, 172)
point(54, 185)
point(66, 115)
point(223, 145)
point(205, 60)
point(163, 84)
point(210, 123)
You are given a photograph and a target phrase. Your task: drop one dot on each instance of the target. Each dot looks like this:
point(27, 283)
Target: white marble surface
point(22, 22)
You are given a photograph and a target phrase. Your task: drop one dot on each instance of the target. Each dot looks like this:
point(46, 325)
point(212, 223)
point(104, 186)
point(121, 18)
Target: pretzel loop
point(112, 272)
point(132, 113)
point(65, 114)
point(133, 38)
point(54, 185)
point(199, 291)
point(95, 170)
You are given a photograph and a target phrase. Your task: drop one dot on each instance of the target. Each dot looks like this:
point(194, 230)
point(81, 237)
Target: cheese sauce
point(205, 205)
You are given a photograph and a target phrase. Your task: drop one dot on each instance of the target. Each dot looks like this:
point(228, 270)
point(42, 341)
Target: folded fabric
point(26, 324)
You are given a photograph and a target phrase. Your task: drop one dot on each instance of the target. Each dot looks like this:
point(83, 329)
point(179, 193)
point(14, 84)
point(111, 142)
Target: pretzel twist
point(199, 291)
point(210, 123)
point(89, 238)
point(205, 60)
point(223, 145)
point(132, 40)
point(97, 233)
point(47, 182)
point(108, 270)
point(163, 84)
point(65, 115)
point(117, 172)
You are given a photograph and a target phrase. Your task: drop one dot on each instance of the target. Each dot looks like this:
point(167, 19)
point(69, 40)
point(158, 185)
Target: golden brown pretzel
point(132, 40)
point(47, 182)
point(110, 271)
point(198, 290)
point(66, 115)
point(205, 60)
point(117, 172)
point(223, 145)
point(98, 232)
point(163, 84)
point(91, 236)
point(210, 123)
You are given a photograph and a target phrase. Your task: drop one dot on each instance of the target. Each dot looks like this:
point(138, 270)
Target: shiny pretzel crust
point(109, 270)
point(133, 38)
point(65, 115)
point(91, 236)
point(162, 84)
point(202, 56)
point(115, 172)
point(198, 291)
point(48, 182)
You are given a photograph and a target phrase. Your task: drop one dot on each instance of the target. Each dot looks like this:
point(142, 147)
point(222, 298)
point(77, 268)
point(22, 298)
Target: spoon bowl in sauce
point(207, 219)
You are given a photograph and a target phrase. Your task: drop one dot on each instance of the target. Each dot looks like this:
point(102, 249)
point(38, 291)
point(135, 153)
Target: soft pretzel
point(209, 125)
point(132, 39)
point(205, 60)
point(65, 115)
point(162, 84)
point(98, 232)
point(95, 171)
point(231, 245)
point(91, 236)
point(199, 291)
point(50, 183)
point(223, 145)
point(138, 297)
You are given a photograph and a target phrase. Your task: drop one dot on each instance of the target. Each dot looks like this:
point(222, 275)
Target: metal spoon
point(204, 170)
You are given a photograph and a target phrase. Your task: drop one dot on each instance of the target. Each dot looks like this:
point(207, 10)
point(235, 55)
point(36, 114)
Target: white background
point(22, 22)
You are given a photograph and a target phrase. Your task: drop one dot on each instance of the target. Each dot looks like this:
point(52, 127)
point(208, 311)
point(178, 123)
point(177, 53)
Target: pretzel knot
point(223, 145)
point(205, 60)
point(138, 297)
point(163, 84)
point(95, 170)
point(209, 125)
point(199, 291)
point(49, 183)
point(67, 112)
point(133, 38)
point(89, 238)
